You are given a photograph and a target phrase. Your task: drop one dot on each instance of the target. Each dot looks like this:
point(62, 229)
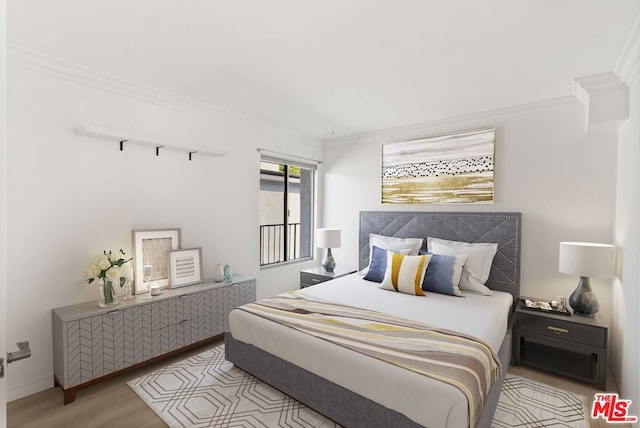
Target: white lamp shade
point(328, 238)
point(587, 259)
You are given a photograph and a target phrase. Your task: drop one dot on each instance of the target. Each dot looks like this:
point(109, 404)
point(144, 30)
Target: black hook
point(122, 144)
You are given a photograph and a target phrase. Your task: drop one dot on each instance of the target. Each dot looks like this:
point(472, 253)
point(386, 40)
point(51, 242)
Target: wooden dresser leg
point(69, 395)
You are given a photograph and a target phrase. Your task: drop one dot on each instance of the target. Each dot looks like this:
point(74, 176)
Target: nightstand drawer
point(309, 279)
point(572, 331)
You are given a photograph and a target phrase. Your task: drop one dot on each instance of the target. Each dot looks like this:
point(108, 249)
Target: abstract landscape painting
point(454, 168)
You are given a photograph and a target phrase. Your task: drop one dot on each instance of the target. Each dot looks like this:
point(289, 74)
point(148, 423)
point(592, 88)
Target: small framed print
point(185, 267)
point(151, 248)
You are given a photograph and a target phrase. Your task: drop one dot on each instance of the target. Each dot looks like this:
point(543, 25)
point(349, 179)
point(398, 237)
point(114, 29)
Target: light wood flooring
point(114, 404)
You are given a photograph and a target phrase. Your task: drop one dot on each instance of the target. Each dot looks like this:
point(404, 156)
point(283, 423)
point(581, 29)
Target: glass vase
point(228, 276)
point(107, 296)
point(128, 291)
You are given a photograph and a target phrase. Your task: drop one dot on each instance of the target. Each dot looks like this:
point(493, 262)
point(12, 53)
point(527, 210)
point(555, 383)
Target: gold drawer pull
point(558, 330)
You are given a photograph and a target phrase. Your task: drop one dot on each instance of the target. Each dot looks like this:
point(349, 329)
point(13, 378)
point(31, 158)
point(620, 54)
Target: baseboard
point(29, 388)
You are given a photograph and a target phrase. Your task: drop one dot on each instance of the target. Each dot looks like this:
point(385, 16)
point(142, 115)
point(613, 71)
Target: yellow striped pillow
point(405, 273)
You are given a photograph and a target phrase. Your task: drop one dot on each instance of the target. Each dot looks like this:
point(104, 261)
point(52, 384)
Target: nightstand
point(316, 275)
point(574, 346)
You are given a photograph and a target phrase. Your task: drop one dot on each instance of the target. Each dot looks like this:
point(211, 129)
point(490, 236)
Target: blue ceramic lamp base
point(328, 263)
point(583, 300)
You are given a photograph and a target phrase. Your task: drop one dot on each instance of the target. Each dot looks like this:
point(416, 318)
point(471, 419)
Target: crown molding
point(28, 59)
point(628, 64)
point(420, 129)
point(605, 98)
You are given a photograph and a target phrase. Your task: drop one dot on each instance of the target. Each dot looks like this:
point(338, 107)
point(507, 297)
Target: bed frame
point(353, 410)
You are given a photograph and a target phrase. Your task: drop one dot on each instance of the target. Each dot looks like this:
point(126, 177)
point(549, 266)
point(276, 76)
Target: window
point(286, 210)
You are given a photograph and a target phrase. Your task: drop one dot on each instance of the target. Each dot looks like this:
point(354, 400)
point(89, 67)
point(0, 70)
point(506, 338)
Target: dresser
point(92, 344)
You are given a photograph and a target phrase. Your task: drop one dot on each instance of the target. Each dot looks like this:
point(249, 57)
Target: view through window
point(286, 211)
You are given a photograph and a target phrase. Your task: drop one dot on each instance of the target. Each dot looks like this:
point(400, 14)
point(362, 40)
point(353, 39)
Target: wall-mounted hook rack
point(125, 137)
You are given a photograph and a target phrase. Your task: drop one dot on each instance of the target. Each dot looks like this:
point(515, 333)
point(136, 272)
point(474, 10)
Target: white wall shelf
point(124, 138)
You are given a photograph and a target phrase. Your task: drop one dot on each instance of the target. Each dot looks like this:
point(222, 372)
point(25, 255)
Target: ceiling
point(330, 68)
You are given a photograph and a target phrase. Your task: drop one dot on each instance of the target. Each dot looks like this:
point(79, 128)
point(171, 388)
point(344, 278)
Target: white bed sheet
point(426, 401)
point(483, 317)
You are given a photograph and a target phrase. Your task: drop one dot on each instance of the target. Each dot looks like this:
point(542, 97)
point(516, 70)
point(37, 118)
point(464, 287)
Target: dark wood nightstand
point(316, 275)
point(574, 346)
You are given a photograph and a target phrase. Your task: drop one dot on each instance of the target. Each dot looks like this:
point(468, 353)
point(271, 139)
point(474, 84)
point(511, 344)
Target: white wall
point(3, 202)
point(561, 180)
point(71, 197)
point(625, 331)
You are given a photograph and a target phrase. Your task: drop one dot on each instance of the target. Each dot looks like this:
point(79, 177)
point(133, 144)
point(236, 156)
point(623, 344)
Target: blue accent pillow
point(443, 274)
point(378, 264)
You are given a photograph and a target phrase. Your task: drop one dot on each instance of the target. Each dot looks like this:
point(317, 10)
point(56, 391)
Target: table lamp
point(587, 260)
point(328, 238)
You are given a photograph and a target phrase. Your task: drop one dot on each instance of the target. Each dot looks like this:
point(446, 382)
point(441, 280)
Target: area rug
point(208, 391)
point(525, 403)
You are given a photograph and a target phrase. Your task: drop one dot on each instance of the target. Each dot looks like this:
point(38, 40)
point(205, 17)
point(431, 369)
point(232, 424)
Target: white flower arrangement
point(112, 267)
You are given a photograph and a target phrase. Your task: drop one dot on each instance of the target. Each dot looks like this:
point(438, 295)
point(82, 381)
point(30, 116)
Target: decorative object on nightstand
point(316, 275)
point(586, 259)
point(328, 238)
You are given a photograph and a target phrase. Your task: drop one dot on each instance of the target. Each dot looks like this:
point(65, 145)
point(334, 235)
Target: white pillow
point(394, 244)
point(478, 266)
point(405, 273)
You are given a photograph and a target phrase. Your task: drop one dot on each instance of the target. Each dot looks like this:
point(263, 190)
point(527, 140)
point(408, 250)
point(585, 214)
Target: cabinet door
point(200, 304)
point(132, 332)
point(151, 330)
point(222, 299)
point(245, 293)
point(72, 366)
point(232, 297)
point(101, 345)
point(113, 341)
point(200, 316)
point(167, 325)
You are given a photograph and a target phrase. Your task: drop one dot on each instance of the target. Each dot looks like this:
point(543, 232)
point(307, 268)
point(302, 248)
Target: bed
point(357, 390)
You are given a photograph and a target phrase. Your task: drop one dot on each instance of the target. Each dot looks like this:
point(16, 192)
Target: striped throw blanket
point(451, 357)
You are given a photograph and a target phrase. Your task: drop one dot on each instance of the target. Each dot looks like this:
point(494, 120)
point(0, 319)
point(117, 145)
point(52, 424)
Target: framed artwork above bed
point(456, 168)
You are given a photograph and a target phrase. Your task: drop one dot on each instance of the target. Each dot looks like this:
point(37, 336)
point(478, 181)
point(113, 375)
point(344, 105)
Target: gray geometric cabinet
point(92, 344)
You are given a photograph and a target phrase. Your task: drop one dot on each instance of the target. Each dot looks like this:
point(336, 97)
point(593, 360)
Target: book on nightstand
point(543, 306)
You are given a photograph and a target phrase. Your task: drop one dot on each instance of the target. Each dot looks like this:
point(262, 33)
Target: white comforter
point(422, 399)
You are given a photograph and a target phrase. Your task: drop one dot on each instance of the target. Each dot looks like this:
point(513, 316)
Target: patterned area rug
point(208, 391)
point(525, 403)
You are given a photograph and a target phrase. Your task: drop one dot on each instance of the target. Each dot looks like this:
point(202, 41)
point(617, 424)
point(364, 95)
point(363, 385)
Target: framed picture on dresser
point(185, 267)
point(151, 247)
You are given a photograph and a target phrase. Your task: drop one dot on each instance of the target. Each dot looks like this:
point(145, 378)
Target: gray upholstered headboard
point(502, 228)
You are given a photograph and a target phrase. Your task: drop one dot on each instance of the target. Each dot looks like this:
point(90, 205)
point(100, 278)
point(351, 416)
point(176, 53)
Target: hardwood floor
point(586, 389)
point(109, 404)
point(114, 404)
